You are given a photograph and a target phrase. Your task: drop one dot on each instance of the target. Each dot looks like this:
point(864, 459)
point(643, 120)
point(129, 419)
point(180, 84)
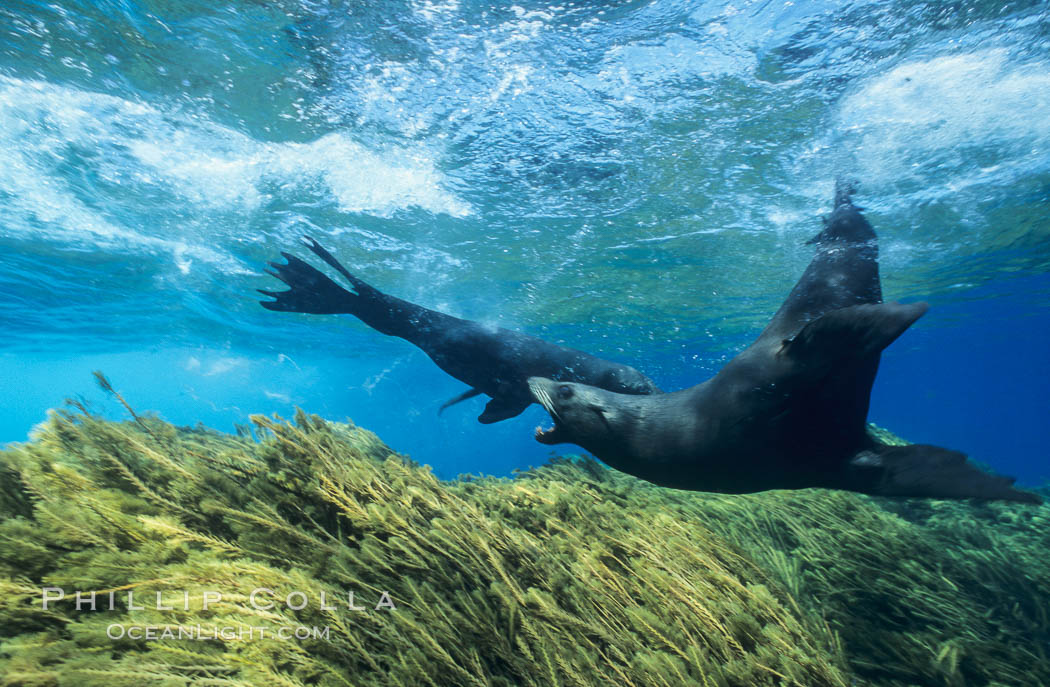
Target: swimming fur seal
point(492, 360)
point(788, 412)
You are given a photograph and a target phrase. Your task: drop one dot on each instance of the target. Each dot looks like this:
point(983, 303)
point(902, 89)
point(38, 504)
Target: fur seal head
point(582, 414)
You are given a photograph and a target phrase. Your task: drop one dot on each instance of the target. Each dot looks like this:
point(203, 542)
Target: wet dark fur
point(791, 410)
point(491, 360)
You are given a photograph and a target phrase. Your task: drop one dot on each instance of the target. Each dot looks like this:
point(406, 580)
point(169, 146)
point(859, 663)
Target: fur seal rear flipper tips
point(491, 360)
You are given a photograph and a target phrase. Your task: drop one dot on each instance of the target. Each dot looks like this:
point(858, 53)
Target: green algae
point(569, 574)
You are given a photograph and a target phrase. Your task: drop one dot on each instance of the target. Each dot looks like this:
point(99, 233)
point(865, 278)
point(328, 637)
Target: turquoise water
point(635, 179)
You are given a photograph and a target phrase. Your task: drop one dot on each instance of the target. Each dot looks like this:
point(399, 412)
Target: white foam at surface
point(364, 181)
point(931, 111)
point(137, 150)
point(358, 179)
point(215, 179)
point(37, 121)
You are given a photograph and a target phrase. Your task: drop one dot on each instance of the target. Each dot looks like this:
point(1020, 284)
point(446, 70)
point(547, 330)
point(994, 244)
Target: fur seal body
point(788, 412)
point(492, 361)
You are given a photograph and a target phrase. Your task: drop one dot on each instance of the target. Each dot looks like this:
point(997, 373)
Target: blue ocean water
point(635, 179)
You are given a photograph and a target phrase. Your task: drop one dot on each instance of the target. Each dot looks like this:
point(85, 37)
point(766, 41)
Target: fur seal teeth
point(541, 433)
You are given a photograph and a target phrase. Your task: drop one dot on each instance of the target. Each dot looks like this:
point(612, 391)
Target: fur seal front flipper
point(788, 412)
point(490, 360)
point(857, 331)
point(503, 407)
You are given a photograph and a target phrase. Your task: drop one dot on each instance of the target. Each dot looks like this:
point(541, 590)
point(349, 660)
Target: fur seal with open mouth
point(788, 412)
point(492, 360)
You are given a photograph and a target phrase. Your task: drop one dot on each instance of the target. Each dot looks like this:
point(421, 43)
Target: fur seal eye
point(564, 391)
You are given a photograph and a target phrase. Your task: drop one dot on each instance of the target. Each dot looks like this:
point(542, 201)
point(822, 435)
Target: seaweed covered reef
point(569, 574)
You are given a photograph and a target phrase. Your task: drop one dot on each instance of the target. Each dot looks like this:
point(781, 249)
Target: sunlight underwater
point(533, 168)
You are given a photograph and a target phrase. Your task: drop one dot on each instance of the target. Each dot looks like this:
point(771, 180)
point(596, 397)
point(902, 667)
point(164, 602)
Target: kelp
point(568, 574)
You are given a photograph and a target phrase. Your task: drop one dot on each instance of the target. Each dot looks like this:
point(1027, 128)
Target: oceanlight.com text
point(152, 633)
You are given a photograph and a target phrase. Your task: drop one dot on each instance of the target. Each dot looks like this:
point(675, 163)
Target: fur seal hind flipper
point(322, 253)
point(846, 221)
point(310, 291)
point(931, 471)
point(853, 332)
point(469, 393)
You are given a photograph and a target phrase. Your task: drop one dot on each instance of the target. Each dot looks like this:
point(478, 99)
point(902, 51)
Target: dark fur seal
point(788, 412)
point(493, 361)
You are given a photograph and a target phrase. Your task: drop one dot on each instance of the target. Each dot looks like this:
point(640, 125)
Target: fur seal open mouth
point(546, 436)
point(550, 435)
